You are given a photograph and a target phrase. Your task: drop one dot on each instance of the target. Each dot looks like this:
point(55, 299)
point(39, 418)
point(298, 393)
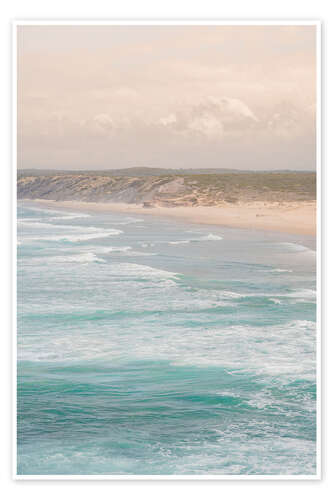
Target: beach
point(298, 217)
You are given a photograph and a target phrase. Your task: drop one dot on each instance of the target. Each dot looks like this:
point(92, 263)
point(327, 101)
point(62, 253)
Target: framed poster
point(168, 239)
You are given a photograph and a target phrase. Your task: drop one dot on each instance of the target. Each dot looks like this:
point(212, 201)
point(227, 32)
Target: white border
point(14, 243)
point(319, 357)
point(319, 366)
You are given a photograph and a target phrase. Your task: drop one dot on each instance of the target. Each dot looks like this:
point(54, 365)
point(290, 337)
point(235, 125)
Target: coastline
point(288, 217)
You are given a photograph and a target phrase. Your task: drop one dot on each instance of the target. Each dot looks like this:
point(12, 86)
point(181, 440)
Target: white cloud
point(288, 120)
point(102, 124)
point(212, 117)
point(168, 120)
point(207, 125)
point(230, 109)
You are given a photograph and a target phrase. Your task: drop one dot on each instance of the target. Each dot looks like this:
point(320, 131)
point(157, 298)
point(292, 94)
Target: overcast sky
point(166, 96)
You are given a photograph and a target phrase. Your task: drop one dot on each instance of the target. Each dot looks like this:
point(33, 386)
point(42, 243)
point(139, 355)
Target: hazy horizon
point(172, 97)
point(90, 169)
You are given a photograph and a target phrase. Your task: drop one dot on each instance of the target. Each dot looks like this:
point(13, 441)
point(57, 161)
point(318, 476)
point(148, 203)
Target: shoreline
point(297, 217)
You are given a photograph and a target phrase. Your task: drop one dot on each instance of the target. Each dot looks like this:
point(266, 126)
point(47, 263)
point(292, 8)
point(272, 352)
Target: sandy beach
point(288, 217)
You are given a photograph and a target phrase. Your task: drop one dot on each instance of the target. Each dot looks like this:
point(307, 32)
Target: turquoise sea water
point(153, 346)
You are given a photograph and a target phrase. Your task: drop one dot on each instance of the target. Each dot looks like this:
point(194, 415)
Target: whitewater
point(149, 346)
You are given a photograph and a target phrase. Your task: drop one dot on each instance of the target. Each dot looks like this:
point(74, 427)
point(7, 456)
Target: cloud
point(207, 125)
point(212, 117)
point(228, 109)
point(168, 120)
point(102, 124)
point(289, 121)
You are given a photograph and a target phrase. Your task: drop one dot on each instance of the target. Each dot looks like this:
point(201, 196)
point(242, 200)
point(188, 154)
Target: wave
point(70, 216)
point(207, 237)
point(274, 300)
point(47, 211)
point(45, 225)
point(83, 258)
point(60, 214)
point(113, 249)
point(211, 237)
point(303, 293)
point(76, 238)
point(146, 245)
point(51, 215)
point(276, 350)
point(227, 294)
point(136, 253)
point(297, 248)
point(278, 270)
point(27, 219)
point(128, 251)
point(285, 350)
point(32, 222)
point(129, 220)
point(180, 242)
point(141, 271)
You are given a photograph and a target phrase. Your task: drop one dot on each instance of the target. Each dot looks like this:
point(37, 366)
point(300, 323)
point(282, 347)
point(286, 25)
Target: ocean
point(151, 346)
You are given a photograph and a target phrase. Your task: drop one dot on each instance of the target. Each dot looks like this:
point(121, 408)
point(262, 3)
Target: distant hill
point(142, 171)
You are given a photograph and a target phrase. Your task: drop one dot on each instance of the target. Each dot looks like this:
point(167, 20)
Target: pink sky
point(166, 96)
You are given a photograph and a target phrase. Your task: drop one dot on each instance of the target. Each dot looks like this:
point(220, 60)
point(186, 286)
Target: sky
point(100, 97)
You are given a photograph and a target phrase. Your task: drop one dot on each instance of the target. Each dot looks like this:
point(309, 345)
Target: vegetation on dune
point(171, 190)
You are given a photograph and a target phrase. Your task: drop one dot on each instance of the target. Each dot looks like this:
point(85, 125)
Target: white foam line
point(76, 237)
point(83, 258)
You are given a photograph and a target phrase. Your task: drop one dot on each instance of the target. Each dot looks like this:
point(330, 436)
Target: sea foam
point(82, 258)
point(206, 237)
point(76, 238)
